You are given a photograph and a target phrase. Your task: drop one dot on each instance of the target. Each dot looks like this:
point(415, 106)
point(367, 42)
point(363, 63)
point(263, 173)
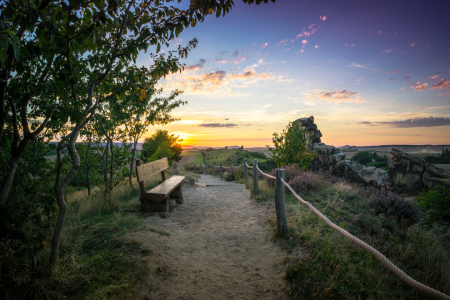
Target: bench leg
point(145, 206)
point(178, 194)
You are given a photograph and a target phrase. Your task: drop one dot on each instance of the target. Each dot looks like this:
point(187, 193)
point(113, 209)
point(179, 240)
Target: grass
point(98, 258)
point(198, 156)
point(335, 268)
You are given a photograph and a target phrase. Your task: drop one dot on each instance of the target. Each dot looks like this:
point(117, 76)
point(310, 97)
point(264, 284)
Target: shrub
point(305, 182)
point(395, 205)
point(290, 172)
point(363, 157)
point(257, 155)
point(436, 203)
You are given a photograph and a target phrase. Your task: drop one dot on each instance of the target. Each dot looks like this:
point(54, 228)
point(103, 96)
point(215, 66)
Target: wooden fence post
point(221, 171)
point(194, 167)
point(245, 170)
point(255, 177)
point(280, 206)
point(214, 169)
point(206, 166)
point(201, 168)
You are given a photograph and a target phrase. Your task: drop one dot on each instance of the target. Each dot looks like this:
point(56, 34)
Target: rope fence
point(282, 228)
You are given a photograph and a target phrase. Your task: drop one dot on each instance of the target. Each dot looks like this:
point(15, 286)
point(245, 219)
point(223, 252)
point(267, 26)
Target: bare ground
point(218, 247)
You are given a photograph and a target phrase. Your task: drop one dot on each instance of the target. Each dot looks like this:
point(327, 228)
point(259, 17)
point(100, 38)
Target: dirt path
point(219, 247)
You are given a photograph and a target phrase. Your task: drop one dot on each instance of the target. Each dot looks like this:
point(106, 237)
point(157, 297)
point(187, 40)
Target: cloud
point(442, 84)
point(264, 45)
point(366, 123)
point(418, 122)
point(307, 33)
point(391, 79)
point(236, 59)
point(335, 96)
point(413, 44)
point(359, 79)
point(195, 67)
point(282, 42)
point(267, 106)
point(317, 46)
point(356, 65)
point(387, 51)
point(301, 51)
point(433, 77)
point(379, 32)
point(418, 87)
point(352, 45)
point(249, 73)
point(403, 88)
point(323, 18)
point(393, 71)
point(218, 125)
point(304, 42)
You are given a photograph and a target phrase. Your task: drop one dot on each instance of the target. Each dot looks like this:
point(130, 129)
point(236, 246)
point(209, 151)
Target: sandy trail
point(219, 247)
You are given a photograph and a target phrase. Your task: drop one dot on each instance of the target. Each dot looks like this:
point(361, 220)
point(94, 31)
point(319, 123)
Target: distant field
point(198, 156)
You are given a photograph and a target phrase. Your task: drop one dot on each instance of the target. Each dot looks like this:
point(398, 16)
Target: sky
point(370, 72)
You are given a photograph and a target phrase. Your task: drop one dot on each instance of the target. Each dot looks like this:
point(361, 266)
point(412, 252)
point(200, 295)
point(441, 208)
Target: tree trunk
point(13, 163)
point(130, 174)
point(60, 188)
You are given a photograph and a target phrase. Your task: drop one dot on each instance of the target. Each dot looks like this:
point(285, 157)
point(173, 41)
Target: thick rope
point(265, 174)
point(384, 260)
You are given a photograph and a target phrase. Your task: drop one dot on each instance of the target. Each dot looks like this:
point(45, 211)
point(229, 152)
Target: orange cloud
point(387, 51)
point(195, 67)
point(264, 45)
point(419, 87)
point(323, 18)
point(304, 42)
point(442, 84)
point(317, 46)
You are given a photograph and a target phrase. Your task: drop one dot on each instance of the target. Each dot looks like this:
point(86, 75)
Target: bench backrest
point(145, 171)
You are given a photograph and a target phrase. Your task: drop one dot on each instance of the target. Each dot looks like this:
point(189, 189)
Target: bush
point(377, 164)
point(363, 157)
point(290, 172)
point(305, 182)
point(257, 155)
point(436, 203)
point(395, 205)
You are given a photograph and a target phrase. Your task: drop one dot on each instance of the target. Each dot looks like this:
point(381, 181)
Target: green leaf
point(158, 47)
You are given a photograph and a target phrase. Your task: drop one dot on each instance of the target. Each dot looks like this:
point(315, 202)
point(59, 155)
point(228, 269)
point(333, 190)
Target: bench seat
point(159, 193)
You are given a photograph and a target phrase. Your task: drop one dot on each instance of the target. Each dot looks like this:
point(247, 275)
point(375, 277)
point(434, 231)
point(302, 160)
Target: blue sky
point(371, 73)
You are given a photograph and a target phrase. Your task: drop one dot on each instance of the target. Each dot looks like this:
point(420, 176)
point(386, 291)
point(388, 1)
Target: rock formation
point(409, 174)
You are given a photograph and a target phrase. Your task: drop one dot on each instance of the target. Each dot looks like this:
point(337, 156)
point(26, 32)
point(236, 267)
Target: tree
point(60, 60)
point(152, 144)
point(290, 147)
point(363, 157)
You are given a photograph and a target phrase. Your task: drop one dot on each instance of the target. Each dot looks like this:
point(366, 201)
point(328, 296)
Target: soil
point(219, 247)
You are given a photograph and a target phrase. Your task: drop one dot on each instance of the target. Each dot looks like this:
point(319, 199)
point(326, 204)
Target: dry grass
point(97, 260)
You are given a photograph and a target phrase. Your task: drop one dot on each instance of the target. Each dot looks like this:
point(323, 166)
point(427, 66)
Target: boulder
point(328, 155)
point(175, 169)
point(356, 172)
point(406, 173)
point(434, 176)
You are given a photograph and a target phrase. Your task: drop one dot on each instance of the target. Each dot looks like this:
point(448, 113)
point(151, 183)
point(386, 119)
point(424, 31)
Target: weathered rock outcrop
point(359, 173)
point(406, 173)
point(409, 174)
point(312, 134)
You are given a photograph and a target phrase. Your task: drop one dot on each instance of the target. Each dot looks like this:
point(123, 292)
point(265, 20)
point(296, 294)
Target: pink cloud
point(336, 96)
point(442, 84)
point(282, 42)
point(413, 44)
point(312, 25)
point(418, 87)
point(317, 46)
point(304, 42)
point(264, 45)
point(307, 33)
point(301, 51)
point(393, 71)
point(323, 18)
point(387, 51)
point(403, 88)
point(380, 32)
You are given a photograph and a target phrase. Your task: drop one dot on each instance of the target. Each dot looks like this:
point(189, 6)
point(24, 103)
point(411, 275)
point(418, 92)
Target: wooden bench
point(166, 195)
